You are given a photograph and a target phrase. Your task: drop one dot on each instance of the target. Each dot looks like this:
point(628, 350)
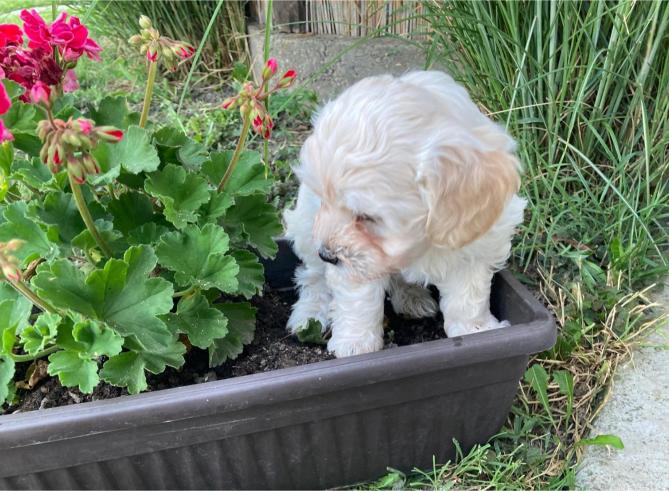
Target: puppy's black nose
point(327, 256)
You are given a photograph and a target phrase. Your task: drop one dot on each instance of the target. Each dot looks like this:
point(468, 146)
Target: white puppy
point(403, 183)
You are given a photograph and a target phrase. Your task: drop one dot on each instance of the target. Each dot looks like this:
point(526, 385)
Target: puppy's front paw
point(303, 312)
point(460, 328)
point(413, 301)
point(348, 346)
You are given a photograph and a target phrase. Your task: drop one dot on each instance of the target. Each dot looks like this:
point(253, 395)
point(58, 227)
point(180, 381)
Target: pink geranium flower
point(69, 36)
point(10, 34)
point(5, 134)
point(5, 101)
point(36, 30)
point(70, 83)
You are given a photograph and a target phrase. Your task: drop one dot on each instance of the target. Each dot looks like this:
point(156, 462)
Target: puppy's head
point(402, 165)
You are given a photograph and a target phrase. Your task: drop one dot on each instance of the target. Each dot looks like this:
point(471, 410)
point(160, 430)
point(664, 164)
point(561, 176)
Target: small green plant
point(122, 244)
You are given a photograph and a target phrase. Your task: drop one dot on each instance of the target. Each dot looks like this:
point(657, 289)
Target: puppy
point(403, 183)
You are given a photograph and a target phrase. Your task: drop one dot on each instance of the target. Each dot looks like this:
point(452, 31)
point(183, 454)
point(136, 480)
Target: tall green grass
point(224, 43)
point(584, 87)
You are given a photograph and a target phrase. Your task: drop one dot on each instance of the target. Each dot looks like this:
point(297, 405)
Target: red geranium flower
point(10, 34)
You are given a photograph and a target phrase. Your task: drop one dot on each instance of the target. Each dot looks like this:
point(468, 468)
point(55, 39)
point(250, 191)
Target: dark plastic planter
point(330, 423)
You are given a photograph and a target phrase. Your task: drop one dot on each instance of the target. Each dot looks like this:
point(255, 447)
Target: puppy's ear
point(466, 189)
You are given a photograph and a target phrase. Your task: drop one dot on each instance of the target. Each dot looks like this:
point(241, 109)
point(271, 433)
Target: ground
point(637, 412)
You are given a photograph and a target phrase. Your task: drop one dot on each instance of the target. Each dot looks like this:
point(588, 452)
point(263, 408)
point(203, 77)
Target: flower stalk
point(153, 68)
point(25, 290)
point(238, 151)
point(86, 216)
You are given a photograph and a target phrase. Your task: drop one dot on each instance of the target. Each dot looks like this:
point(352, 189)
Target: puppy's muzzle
point(327, 255)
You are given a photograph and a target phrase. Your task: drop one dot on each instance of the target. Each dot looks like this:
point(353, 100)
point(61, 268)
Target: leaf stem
point(153, 68)
point(25, 290)
point(86, 216)
point(185, 292)
point(39, 354)
point(238, 151)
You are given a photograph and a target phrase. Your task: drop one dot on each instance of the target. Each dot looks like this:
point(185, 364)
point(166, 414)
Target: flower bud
point(287, 79)
point(229, 103)
point(85, 125)
point(151, 54)
point(145, 22)
point(89, 164)
point(270, 69)
point(109, 134)
point(71, 138)
point(10, 271)
point(135, 40)
point(14, 244)
point(76, 170)
point(40, 93)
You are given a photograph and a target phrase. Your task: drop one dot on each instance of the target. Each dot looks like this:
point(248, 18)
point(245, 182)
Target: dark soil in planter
point(272, 349)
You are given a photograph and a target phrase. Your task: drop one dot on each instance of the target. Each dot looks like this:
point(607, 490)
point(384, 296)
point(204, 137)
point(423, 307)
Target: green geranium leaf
point(131, 210)
point(215, 208)
point(14, 90)
point(251, 275)
point(247, 178)
point(7, 340)
point(27, 142)
point(135, 153)
point(110, 169)
point(125, 370)
point(241, 328)
point(148, 234)
point(252, 219)
point(171, 355)
point(95, 339)
point(204, 265)
point(21, 117)
point(192, 155)
point(181, 193)
point(6, 376)
point(311, 333)
point(74, 371)
point(86, 242)
point(6, 157)
point(201, 323)
point(38, 242)
point(37, 336)
point(112, 111)
point(121, 294)
point(14, 308)
point(60, 210)
point(32, 172)
point(168, 141)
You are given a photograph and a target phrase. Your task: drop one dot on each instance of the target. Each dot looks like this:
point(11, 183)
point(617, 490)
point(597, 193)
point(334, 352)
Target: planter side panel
point(316, 454)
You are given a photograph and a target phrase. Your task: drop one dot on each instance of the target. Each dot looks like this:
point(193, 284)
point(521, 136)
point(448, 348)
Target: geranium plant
point(122, 244)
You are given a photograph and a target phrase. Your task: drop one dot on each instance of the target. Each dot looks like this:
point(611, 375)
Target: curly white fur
point(404, 183)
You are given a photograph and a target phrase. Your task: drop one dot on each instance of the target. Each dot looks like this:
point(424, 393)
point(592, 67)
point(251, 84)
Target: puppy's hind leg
point(315, 297)
point(465, 301)
point(410, 299)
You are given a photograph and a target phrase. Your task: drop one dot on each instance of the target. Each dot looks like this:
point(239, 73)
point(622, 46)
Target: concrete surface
point(638, 412)
point(352, 58)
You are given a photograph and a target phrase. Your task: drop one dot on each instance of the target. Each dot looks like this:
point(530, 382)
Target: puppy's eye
point(363, 217)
